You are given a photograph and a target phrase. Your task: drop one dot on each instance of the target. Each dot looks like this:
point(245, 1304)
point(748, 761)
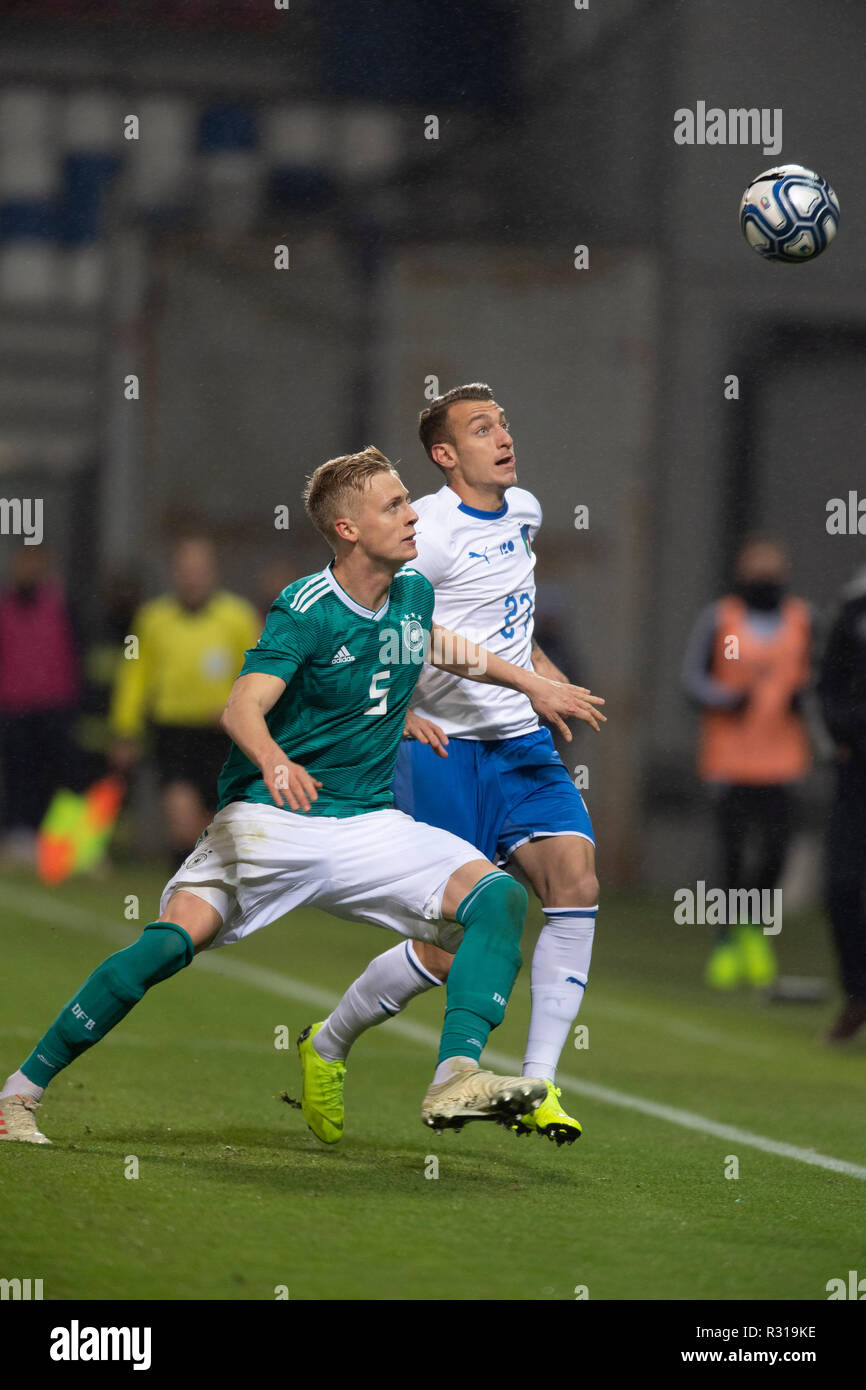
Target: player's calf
point(384, 989)
point(479, 985)
point(102, 1001)
point(485, 966)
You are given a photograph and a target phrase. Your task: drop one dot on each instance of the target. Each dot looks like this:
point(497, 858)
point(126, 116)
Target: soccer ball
point(789, 214)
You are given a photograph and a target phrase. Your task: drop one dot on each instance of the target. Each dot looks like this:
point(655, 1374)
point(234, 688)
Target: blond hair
point(333, 486)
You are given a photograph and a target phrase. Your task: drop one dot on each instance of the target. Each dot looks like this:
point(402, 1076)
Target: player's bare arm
point(553, 701)
point(543, 666)
point(425, 731)
point(243, 719)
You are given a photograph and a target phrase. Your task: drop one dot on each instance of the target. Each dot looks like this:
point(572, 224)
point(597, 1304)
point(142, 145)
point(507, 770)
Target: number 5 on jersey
point(379, 693)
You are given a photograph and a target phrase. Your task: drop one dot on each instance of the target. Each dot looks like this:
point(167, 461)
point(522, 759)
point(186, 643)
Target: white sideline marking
point(43, 908)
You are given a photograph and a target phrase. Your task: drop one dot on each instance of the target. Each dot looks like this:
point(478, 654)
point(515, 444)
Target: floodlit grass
point(234, 1197)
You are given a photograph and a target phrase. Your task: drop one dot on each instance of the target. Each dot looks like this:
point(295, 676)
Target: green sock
point(107, 996)
point(485, 966)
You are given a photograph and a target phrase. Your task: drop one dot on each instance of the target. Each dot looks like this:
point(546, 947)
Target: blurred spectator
point(191, 645)
point(271, 579)
point(39, 690)
point(747, 666)
point(842, 690)
point(102, 653)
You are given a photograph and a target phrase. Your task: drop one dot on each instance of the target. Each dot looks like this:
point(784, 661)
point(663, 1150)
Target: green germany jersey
point(349, 677)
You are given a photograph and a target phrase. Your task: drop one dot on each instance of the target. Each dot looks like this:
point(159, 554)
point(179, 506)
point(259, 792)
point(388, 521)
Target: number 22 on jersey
point(512, 604)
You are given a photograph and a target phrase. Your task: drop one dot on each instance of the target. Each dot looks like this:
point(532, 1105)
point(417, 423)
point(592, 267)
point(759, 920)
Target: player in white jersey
point(482, 568)
point(475, 761)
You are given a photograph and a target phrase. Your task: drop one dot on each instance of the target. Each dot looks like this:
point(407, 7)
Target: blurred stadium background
point(452, 258)
point(410, 259)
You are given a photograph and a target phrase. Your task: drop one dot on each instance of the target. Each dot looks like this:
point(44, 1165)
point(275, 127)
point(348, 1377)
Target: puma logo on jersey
point(341, 657)
point(474, 555)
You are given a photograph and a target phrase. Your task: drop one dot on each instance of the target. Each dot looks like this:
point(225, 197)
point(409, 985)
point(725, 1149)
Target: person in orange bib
point(747, 665)
point(842, 692)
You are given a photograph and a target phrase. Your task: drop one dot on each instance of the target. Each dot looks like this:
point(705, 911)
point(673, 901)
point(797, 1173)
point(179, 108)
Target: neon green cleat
point(759, 963)
point(549, 1119)
point(321, 1102)
point(725, 967)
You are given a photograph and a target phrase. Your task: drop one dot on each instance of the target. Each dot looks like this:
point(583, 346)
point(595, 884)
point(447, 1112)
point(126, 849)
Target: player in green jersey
point(305, 809)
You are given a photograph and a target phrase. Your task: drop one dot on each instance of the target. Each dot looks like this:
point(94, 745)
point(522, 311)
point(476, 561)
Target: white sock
point(560, 969)
point(447, 1068)
point(385, 987)
point(18, 1085)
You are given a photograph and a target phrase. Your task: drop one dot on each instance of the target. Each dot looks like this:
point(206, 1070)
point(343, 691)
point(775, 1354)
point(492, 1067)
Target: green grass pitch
point(235, 1199)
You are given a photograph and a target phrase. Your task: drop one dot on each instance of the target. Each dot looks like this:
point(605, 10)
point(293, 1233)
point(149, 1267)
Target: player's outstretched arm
point(543, 666)
point(553, 701)
point(243, 719)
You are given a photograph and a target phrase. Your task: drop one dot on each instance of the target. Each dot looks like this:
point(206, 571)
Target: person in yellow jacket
point(176, 676)
point(747, 665)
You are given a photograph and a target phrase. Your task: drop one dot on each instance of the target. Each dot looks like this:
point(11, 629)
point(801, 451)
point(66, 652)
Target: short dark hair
point(433, 425)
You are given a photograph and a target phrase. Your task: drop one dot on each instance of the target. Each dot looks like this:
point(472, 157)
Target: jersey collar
point(340, 593)
point(485, 516)
point(475, 511)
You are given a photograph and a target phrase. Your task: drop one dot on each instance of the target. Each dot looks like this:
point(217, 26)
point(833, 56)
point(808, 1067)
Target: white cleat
point(17, 1122)
point(473, 1094)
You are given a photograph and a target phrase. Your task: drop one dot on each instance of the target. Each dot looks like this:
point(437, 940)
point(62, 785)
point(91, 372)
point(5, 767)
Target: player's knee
point(498, 908)
point(197, 918)
point(170, 948)
point(508, 899)
point(576, 889)
point(162, 949)
point(587, 890)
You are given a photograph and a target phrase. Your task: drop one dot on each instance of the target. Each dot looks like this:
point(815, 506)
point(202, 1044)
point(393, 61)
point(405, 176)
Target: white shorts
point(257, 862)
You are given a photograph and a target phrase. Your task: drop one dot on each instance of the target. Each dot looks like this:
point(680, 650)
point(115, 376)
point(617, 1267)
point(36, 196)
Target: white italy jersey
point(482, 568)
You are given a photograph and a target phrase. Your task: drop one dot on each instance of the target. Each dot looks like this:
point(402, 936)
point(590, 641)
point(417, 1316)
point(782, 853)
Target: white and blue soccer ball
point(789, 214)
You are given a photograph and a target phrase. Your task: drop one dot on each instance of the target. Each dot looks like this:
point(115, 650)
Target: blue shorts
point(497, 794)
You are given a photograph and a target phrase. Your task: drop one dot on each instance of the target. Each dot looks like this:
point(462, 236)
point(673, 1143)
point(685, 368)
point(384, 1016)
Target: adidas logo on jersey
point(342, 656)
